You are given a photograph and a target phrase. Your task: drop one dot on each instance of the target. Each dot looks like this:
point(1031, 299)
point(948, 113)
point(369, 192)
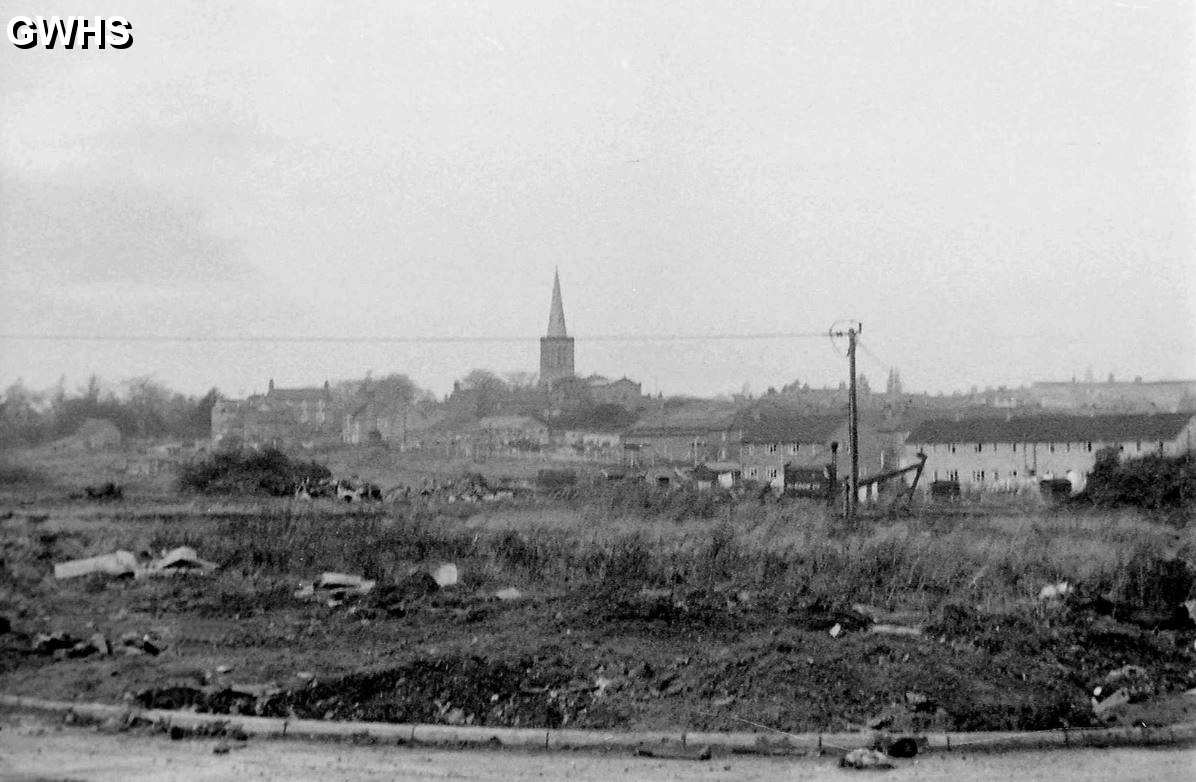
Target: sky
point(998, 191)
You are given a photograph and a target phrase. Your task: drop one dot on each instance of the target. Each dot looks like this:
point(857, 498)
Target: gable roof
point(778, 425)
point(687, 421)
point(1052, 429)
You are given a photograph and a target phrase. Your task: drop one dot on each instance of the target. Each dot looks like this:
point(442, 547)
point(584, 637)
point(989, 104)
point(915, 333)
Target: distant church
point(556, 347)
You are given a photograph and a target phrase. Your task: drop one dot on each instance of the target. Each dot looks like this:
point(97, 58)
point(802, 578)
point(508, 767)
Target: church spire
point(556, 316)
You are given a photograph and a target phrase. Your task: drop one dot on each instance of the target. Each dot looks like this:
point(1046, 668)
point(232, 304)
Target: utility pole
point(853, 418)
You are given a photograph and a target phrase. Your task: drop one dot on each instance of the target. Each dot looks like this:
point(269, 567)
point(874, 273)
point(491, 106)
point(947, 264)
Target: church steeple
point(556, 315)
point(556, 347)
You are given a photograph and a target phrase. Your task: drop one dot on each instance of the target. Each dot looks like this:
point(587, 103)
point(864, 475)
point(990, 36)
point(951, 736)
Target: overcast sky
point(1000, 191)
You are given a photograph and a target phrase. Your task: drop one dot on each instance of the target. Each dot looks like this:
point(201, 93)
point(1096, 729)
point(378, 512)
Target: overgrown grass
point(915, 563)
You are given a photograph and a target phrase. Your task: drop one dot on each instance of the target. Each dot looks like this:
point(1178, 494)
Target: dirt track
point(35, 749)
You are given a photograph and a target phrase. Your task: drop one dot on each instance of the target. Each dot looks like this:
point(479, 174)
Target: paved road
point(33, 749)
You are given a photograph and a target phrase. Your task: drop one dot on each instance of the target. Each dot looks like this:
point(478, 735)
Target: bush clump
point(269, 471)
point(1152, 482)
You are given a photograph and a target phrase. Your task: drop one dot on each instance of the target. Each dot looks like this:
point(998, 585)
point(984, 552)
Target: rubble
point(335, 588)
point(123, 564)
point(118, 563)
point(133, 644)
point(181, 560)
point(865, 757)
point(446, 575)
point(1055, 591)
point(900, 630)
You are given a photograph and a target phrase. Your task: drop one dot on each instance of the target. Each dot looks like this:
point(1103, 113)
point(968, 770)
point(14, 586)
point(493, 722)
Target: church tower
point(556, 347)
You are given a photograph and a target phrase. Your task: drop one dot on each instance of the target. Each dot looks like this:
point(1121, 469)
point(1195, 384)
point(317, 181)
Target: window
point(1139, 445)
point(1089, 446)
point(772, 447)
point(1014, 446)
point(747, 450)
point(793, 448)
point(952, 447)
point(1015, 473)
point(996, 475)
point(772, 473)
point(753, 472)
point(979, 447)
point(1051, 447)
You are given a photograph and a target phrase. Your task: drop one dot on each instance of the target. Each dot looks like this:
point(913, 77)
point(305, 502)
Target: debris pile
point(183, 560)
point(64, 645)
point(333, 589)
point(865, 757)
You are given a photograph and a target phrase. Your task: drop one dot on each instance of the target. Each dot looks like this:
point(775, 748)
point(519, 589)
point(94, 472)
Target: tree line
point(140, 407)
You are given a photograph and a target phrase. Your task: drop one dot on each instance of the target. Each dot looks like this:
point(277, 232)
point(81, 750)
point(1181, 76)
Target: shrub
point(1153, 482)
point(249, 472)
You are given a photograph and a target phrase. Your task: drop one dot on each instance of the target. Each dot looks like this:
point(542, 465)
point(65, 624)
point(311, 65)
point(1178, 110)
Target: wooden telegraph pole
point(853, 418)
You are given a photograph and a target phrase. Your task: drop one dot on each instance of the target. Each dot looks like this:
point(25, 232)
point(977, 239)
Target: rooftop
point(778, 425)
point(1052, 429)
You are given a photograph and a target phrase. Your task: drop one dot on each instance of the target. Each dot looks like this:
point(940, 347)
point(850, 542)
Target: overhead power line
point(425, 339)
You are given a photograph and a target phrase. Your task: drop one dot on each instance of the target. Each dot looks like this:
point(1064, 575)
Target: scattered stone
point(865, 758)
point(836, 630)
point(223, 747)
point(133, 644)
point(183, 560)
point(335, 588)
point(1055, 591)
point(508, 594)
point(884, 629)
point(223, 669)
point(446, 575)
point(118, 563)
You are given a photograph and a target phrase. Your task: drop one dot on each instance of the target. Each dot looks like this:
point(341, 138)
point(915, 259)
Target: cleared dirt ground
point(632, 613)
